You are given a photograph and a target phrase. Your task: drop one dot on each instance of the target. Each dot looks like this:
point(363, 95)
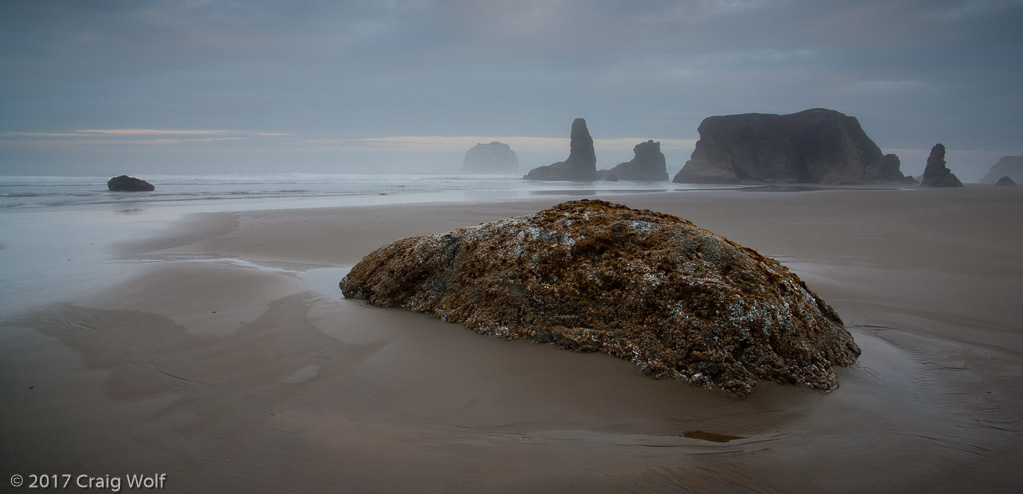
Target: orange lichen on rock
point(677, 300)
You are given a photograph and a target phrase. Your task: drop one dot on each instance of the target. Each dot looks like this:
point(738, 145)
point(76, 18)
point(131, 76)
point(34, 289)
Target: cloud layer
point(914, 72)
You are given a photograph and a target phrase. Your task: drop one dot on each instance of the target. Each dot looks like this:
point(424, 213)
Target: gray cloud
point(914, 72)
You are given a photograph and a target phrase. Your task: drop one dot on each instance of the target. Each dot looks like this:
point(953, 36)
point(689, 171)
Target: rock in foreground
point(813, 146)
point(677, 300)
point(125, 183)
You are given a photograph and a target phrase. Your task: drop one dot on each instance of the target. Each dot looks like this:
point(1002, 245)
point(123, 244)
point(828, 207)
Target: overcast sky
point(104, 87)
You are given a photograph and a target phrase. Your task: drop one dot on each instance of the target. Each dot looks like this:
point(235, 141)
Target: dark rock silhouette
point(647, 165)
point(813, 146)
point(495, 157)
point(581, 164)
point(651, 288)
point(937, 174)
point(125, 183)
point(1005, 182)
point(1007, 166)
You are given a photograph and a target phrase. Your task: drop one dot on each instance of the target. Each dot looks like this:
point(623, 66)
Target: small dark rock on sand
point(125, 183)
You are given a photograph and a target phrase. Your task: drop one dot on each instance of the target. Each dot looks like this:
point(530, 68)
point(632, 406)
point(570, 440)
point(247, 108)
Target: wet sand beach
point(229, 361)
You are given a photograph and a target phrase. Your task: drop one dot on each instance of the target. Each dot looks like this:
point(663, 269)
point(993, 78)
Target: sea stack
point(937, 174)
point(581, 164)
point(651, 288)
point(125, 183)
point(1007, 166)
point(647, 165)
point(495, 157)
point(814, 146)
point(1005, 181)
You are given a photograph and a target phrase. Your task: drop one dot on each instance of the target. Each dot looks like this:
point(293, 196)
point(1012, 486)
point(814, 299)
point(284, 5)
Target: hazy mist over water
point(59, 232)
point(205, 193)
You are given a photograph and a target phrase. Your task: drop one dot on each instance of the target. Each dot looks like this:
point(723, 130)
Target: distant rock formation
point(677, 300)
point(581, 164)
point(1007, 166)
point(937, 174)
point(647, 165)
point(125, 183)
point(496, 157)
point(813, 146)
point(1005, 181)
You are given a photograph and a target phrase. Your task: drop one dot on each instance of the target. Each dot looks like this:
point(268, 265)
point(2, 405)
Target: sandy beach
point(229, 361)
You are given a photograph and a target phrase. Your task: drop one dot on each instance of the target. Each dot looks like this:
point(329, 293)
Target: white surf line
point(321, 279)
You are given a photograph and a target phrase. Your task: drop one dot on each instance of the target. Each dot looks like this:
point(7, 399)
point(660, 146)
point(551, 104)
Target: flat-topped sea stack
point(817, 146)
point(495, 157)
point(648, 165)
point(581, 165)
point(936, 174)
point(1007, 166)
point(125, 183)
point(654, 289)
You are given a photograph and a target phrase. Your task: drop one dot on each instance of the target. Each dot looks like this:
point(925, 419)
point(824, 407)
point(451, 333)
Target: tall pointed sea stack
point(937, 174)
point(654, 289)
point(581, 164)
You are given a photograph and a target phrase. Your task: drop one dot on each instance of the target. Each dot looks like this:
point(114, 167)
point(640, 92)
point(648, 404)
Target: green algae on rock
point(677, 300)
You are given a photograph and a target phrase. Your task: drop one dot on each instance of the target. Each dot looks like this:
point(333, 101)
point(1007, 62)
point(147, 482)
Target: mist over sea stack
point(648, 165)
point(581, 164)
point(654, 289)
point(937, 174)
point(1007, 166)
point(125, 183)
point(495, 157)
point(813, 146)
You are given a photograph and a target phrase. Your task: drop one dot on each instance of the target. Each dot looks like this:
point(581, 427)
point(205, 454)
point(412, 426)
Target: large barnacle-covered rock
point(677, 300)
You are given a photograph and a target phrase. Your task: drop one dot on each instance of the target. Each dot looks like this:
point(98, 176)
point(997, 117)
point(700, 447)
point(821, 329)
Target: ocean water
point(292, 190)
point(57, 233)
